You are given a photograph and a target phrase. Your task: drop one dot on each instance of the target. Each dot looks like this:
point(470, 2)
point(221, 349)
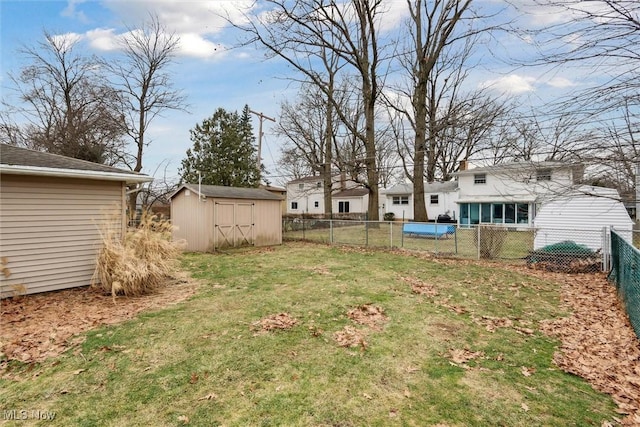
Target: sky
point(212, 73)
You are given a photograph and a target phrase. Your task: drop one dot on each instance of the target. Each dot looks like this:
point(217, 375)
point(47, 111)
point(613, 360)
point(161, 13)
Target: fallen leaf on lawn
point(407, 394)
point(460, 356)
point(393, 412)
point(367, 396)
point(210, 396)
point(526, 331)
point(525, 407)
point(194, 378)
point(183, 419)
point(78, 371)
point(368, 315)
point(527, 372)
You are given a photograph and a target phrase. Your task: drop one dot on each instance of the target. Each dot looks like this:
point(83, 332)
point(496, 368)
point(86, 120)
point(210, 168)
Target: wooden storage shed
point(51, 211)
point(210, 217)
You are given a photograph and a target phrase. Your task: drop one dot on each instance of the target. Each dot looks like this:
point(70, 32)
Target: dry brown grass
point(139, 263)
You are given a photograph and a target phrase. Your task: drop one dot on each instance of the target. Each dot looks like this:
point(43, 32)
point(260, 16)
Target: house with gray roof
point(52, 209)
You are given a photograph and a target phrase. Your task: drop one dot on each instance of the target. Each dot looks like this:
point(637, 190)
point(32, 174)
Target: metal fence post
point(478, 228)
point(366, 229)
point(331, 231)
point(455, 238)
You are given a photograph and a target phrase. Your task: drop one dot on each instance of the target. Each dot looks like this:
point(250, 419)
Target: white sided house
point(210, 217)
point(511, 193)
point(440, 199)
point(306, 196)
point(353, 200)
point(52, 209)
point(582, 215)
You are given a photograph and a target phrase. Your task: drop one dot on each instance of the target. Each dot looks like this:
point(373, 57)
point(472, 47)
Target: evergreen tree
point(223, 151)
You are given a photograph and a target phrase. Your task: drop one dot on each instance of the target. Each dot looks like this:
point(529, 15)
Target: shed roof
point(224, 192)
point(23, 161)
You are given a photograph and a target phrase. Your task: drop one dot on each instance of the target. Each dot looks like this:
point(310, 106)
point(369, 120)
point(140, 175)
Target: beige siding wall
point(49, 230)
point(195, 221)
point(268, 222)
point(189, 218)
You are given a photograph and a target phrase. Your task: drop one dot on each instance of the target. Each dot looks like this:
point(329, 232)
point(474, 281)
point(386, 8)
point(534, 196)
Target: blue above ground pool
point(429, 230)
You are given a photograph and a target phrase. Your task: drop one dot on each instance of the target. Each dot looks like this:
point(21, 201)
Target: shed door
point(234, 224)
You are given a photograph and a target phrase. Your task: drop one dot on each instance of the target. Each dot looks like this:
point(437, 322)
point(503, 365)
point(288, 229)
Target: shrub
point(137, 264)
point(491, 240)
point(389, 216)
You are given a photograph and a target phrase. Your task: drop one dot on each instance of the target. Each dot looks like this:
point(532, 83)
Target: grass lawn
point(466, 352)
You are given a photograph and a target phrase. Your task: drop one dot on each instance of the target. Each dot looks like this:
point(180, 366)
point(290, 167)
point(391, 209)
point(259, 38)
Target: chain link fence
point(549, 249)
point(625, 273)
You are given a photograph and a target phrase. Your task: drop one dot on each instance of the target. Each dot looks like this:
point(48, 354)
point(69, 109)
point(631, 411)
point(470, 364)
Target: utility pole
point(262, 117)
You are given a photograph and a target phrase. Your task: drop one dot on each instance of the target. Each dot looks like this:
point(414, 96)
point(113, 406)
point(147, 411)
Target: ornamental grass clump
point(139, 263)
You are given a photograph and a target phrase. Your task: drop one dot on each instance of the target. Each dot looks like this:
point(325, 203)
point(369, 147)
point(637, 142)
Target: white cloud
point(512, 83)
point(197, 17)
point(196, 46)
point(394, 14)
point(71, 12)
point(104, 39)
point(65, 41)
point(560, 82)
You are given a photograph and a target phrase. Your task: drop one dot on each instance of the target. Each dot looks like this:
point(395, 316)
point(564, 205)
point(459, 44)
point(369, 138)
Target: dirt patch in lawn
point(36, 327)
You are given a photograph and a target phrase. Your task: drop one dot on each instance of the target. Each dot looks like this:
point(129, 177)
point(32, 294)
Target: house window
point(300, 186)
point(316, 204)
point(294, 206)
point(543, 175)
point(523, 213)
point(498, 213)
point(434, 199)
point(343, 207)
point(400, 200)
point(480, 178)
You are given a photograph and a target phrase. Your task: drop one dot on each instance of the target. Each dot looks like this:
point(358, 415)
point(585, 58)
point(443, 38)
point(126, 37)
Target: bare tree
point(301, 32)
point(293, 163)
point(603, 36)
point(146, 84)
point(440, 40)
point(309, 126)
point(65, 105)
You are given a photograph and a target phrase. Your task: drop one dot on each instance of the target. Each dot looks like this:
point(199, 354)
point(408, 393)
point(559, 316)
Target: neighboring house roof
point(23, 161)
point(511, 166)
point(223, 192)
point(352, 192)
point(433, 187)
point(273, 189)
point(305, 179)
